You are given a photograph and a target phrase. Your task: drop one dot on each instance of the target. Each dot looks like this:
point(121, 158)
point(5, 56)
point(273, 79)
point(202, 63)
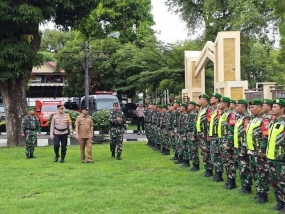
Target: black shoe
point(27, 156)
point(232, 184)
point(119, 156)
point(167, 152)
point(279, 205)
point(245, 190)
point(208, 173)
point(227, 183)
point(179, 161)
point(185, 163)
point(62, 161)
point(32, 156)
point(219, 177)
point(55, 159)
point(174, 158)
point(257, 196)
point(113, 154)
point(195, 168)
point(262, 198)
point(90, 161)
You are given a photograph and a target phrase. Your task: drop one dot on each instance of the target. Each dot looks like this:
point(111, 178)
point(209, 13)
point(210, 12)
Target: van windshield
point(51, 108)
point(105, 103)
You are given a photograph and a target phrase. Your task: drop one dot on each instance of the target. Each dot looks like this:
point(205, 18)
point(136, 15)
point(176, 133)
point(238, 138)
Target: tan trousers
point(85, 142)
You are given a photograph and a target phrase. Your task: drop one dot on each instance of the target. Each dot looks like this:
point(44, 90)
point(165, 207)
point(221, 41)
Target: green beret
point(158, 106)
point(164, 106)
point(177, 101)
point(184, 104)
point(225, 99)
point(256, 101)
point(206, 96)
point(198, 105)
point(31, 108)
point(170, 104)
point(268, 101)
point(217, 95)
point(280, 102)
point(193, 103)
point(233, 101)
point(242, 101)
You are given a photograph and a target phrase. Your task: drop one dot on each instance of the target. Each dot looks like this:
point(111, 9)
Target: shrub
point(101, 121)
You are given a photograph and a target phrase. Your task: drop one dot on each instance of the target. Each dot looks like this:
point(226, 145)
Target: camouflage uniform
point(163, 137)
point(116, 131)
point(146, 119)
point(256, 134)
point(175, 136)
point(157, 130)
point(168, 130)
point(241, 123)
point(182, 147)
point(192, 143)
point(30, 127)
point(202, 127)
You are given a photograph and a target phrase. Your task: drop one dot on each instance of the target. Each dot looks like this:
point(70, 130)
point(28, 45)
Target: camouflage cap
point(242, 101)
point(268, 101)
point(217, 95)
point(193, 103)
point(177, 101)
point(31, 108)
point(233, 101)
point(225, 99)
point(256, 101)
point(280, 102)
point(206, 96)
point(184, 104)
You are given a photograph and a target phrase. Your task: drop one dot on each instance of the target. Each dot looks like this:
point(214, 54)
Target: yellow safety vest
point(213, 116)
point(275, 130)
point(222, 119)
point(198, 124)
point(237, 140)
point(254, 123)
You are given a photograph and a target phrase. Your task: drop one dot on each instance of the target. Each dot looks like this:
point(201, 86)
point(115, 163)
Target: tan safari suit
point(85, 134)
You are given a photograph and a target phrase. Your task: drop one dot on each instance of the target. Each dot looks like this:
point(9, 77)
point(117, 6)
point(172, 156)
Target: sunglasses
point(61, 108)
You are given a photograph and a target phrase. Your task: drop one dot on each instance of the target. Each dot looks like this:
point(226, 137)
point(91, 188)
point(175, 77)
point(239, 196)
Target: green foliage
point(101, 120)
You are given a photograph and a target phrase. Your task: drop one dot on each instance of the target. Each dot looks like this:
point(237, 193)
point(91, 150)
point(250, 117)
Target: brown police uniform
point(84, 126)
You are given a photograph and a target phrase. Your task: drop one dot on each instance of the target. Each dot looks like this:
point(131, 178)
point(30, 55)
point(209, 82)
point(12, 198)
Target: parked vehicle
point(129, 109)
point(71, 106)
point(2, 118)
point(44, 109)
point(100, 100)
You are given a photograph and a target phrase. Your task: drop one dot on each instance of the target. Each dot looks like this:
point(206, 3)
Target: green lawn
point(143, 182)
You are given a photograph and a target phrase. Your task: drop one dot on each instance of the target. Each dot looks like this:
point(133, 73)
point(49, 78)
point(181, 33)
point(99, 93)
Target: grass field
point(143, 182)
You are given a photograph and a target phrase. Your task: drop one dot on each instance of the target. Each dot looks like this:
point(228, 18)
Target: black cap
point(115, 103)
point(59, 106)
point(84, 108)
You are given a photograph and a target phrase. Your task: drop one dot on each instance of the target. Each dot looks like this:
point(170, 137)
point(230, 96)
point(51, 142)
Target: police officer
point(60, 127)
point(275, 153)
point(30, 129)
point(84, 134)
point(117, 122)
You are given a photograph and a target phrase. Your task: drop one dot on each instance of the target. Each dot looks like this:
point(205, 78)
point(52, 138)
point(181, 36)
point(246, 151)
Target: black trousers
point(60, 139)
point(140, 121)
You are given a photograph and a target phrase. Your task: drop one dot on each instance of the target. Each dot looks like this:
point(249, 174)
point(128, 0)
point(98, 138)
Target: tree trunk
point(13, 94)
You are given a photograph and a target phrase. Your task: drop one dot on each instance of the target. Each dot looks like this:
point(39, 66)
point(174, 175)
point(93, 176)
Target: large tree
point(20, 41)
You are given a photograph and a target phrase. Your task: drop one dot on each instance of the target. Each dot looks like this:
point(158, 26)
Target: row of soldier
point(229, 137)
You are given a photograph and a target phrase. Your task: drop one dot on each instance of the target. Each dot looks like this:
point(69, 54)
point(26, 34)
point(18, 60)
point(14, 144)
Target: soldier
point(60, 128)
point(267, 108)
point(174, 135)
point(84, 134)
point(118, 126)
point(275, 153)
point(241, 123)
point(233, 105)
point(225, 136)
point(168, 129)
point(214, 146)
point(30, 130)
point(157, 118)
point(163, 137)
point(146, 121)
point(192, 143)
point(202, 127)
point(256, 135)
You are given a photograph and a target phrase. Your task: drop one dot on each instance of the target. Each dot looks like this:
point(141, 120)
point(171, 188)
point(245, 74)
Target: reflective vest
point(201, 113)
point(237, 139)
point(211, 128)
point(222, 119)
point(275, 135)
point(254, 123)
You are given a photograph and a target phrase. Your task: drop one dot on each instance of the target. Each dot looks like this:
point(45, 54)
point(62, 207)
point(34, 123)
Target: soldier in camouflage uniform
point(214, 146)
point(175, 116)
point(30, 129)
point(225, 135)
point(147, 123)
point(202, 127)
point(168, 129)
point(157, 118)
point(241, 123)
point(192, 143)
point(267, 108)
point(256, 135)
point(275, 153)
point(118, 126)
point(163, 137)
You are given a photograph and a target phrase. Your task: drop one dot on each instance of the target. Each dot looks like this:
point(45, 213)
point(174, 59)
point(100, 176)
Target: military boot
point(178, 161)
point(257, 196)
point(119, 156)
point(186, 163)
point(227, 183)
point(62, 159)
point(232, 184)
point(208, 173)
point(113, 154)
point(32, 155)
point(162, 150)
point(245, 190)
point(219, 177)
point(56, 158)
point(279, 205)
point(175, 157)
point(195, 168)
point(27, 156)
point(262, 198)
point(167, 152)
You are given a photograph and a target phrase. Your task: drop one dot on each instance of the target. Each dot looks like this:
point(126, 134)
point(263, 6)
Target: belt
point(31, 129)
point(61, 130)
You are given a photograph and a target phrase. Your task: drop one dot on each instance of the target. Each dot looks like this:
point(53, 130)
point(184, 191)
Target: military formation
point(234, 137)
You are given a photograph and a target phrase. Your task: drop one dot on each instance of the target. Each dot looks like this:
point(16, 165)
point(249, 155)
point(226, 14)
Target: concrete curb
point(95, 132)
